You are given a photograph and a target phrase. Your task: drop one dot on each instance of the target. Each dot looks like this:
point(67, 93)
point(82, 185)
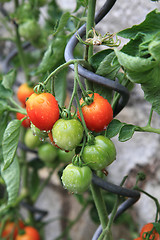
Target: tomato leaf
point(3, 106)
point(149, 26)
point(62, 23)
point(9, 79)
point(11, 177)
point(103, 63)
point(10, 142)
point(113, 128)
point(4, 92)
point(126, 132)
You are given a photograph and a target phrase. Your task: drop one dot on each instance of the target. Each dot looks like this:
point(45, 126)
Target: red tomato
point(147, 229)
point(11, 230)
point(24, 91)
point(139, 238)
point(43, 110)
point(30, 233)
point(98, 114)
point(26, 123)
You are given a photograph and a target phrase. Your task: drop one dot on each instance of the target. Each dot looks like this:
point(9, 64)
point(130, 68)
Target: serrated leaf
point(9, 79)
point(126, 132)
point(4, 92)
point(113, 128)
point(62, 23)
point(149, 26)
point(60, 86)
point(11, 177)
point(10, 142)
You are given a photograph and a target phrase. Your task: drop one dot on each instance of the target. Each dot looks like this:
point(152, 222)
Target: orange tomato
point(24, 91)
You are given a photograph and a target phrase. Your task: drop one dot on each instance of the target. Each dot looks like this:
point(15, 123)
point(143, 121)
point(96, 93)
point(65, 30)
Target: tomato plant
point(37, 132)
point(76, 179)
point(30, 233)
point(65, 157)
point(98, 114)
point(24, 92)
point(100, 154)
point(42, 110)
point(30, 29)
point(11, 229)
point(67, 134)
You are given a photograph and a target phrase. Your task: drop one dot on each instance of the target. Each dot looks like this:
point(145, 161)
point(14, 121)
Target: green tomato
point(76, 179)
point(65, 157)
point(30, 30)
point(99, 155)
point(37, 132)
point(47, 152)
point(30, 140)
point(67, 134)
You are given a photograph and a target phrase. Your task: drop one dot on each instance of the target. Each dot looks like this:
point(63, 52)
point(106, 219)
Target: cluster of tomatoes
point(18, 231)
point(67, 133)
point(148, 231)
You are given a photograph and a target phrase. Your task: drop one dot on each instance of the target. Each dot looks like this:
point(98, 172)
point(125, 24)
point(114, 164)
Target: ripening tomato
point(67, 134)
point(139, 238)
point(149, 229)
point(30, 233)
point(30, 140)
point(26, 123)
point(98, 114)
point(100, 154)
point(76, 179)
point(42, 110)
point(24, 91)
point(11, 230)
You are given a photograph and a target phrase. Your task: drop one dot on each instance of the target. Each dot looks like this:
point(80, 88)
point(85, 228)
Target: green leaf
point(62, 23)
point(145, 71)
point(113, 128)
point(10, 142)
point(103, 65)
point(3, 106)
point(11, 177)
point(60, 86)
point(126, 132)
point(4, 92)
point(151, 25)
point(9, 79)
point(154, 47)
point(53, 56)
point(80, 3)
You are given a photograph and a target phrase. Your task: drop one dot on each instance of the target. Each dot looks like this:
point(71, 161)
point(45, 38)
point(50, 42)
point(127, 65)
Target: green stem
point(100, 205)
point(153, 198)
point(52, 74)
point(74, 88)
point(150, 117)
point(72, 223)
point(147, 129)
point(89, 25)
point(18, 108)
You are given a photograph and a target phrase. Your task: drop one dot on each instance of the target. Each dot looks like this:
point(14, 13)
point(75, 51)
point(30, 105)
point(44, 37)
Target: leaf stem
point(150, 117)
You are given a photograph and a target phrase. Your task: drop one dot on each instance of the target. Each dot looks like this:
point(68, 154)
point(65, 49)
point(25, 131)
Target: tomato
point(76, 179)
point(30, 233)
point(29, 30)
point(30, 140)
point(139, 238)
point(98, 114)
point(24, 91)
point(100, 154)
point(47, 152)
point(37, 132)
point(67, 134)
point(42, 110)
point(147, 229)
point(65, 157)
point(11, 229)
point(26, 123)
